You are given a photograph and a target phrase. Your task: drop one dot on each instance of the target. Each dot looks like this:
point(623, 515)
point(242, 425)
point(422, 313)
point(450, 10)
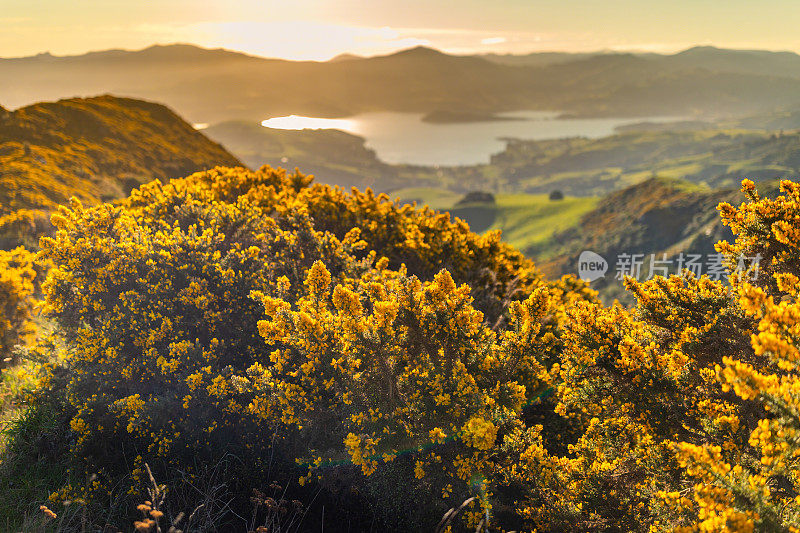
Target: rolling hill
point(332, 156)
point(95, 149)
point(658, 216)
point(717, 158)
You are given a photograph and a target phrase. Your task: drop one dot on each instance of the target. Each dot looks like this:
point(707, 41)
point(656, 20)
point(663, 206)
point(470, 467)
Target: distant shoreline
point(461, 117)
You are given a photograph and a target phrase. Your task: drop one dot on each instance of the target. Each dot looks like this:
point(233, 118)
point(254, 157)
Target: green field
point(527, 221)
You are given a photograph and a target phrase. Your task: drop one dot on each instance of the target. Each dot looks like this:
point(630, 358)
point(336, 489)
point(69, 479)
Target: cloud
point(493, 40)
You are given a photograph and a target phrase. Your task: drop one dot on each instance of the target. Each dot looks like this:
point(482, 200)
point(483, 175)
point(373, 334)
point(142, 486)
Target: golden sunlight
point(296, 122)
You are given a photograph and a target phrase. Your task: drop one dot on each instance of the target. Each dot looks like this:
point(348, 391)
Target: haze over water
point(405, 138)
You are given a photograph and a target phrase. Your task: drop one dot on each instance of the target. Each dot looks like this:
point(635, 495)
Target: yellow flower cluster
point(17, 299)
point(479, 433)
point(762, 488)
point(398, 363)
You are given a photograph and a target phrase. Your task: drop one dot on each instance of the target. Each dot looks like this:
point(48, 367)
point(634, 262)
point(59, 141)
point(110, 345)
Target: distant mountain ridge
point(741, 61)
point(216, 85)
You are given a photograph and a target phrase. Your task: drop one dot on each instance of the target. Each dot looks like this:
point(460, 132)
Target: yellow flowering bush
point(759, 489)
point(343, 339)
point(386, 356)
point(383, 362)
point(687, 404)
point(632, 383)
point(17, 299)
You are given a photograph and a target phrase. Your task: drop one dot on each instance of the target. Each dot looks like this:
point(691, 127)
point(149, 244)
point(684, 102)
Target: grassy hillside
point(660, 215)
point(657, 216)
point(579, 166)
point(527, 221)
point(94, 149)
point(438, 199)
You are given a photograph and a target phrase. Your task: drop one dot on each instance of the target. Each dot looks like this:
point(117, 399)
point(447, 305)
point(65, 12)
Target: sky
point(321, 29)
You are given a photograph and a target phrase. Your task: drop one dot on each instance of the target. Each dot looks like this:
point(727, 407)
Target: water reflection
point(296, 122)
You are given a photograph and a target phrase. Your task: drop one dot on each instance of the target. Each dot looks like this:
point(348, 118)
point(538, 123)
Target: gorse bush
point(635, 383)
point(257, 315)
point(390, 363)
point(384, 356)
point(760, 485)
point(17, 300)
point(687, 403)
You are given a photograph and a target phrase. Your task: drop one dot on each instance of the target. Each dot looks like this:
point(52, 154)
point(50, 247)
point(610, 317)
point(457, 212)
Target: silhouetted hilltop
point(418, 51)
point(761, 62)
point(345, 57)
point(171, 53)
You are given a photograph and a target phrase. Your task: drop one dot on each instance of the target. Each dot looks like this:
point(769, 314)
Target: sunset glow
point(322, 29)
